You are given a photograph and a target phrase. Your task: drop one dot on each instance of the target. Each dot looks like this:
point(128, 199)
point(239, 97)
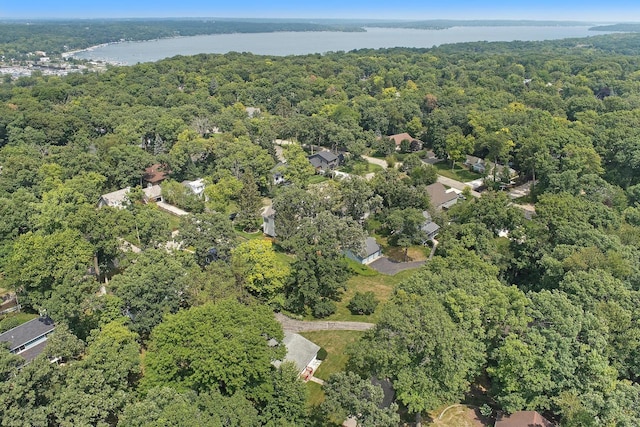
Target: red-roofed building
point(155, 174)
point(523, 419)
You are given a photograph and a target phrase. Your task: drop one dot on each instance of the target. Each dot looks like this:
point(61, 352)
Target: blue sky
point(590, 10)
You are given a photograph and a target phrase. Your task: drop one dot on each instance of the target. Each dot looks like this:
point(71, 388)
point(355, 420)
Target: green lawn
point(317, 179)
point(335, 342)
point(382, 287)
point(459, 173)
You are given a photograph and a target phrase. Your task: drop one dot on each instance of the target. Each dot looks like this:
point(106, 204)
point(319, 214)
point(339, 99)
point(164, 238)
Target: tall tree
point(222, 346)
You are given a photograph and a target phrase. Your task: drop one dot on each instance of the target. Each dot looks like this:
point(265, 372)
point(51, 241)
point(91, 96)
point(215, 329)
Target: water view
point(299, 43)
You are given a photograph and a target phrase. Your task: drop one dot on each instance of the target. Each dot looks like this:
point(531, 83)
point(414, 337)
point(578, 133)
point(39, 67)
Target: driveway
point(292, 325)
point(385, 266)
point(373, 160)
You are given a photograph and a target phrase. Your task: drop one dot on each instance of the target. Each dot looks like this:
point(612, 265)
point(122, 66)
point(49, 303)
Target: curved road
point(292, 325)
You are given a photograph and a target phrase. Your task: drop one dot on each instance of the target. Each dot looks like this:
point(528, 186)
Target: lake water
point(299, 43)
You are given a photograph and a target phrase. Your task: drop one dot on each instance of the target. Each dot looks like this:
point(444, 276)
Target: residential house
point(152, 194)
point(268, 221)
point(324, 161)
point(414, 144)
point(196, 187)
point(302, 352)
point(116, 199)
point(119, 200)
point(29, 339)
point(476, 164)
point(483, 167)
point(440, 197)
point(155, 174)
point(430, 158)
point(277, 173)
point(372, 252)
point(523, 419)
point(429, 227)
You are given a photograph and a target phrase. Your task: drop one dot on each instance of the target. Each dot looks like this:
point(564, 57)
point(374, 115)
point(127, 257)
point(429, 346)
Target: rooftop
point(22, 334)
point(300, 350)
point(523, 419)
point(438, 194)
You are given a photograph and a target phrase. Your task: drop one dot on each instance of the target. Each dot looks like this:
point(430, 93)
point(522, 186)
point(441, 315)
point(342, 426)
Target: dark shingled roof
point(28, 331)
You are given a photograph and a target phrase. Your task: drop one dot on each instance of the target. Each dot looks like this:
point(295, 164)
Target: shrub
point(322, 354)
point(324, 308)
point(363, 303)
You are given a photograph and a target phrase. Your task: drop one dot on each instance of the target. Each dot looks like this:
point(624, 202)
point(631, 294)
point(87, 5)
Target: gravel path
point(293, 325)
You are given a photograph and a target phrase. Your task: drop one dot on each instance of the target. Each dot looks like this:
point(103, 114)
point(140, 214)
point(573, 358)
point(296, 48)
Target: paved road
point(456, 184)
point(293, 325)
point(385, 266)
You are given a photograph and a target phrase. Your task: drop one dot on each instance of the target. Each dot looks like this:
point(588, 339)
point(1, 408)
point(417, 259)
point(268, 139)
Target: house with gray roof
point(324, 161)
point(269, 221)
point(429, 227)
point(116, 199)
point(441, 198)
point(29, 339)
point(301, 352)
point(372, 251)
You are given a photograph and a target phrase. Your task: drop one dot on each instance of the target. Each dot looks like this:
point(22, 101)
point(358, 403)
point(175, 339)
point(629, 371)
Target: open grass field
point(459, 173)
point(458, 416)
point(335, 342)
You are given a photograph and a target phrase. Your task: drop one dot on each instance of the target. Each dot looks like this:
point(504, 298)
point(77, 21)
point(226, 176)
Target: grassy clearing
point(459, 173)
point(317, 179)
point(335, 342)
point(382, 287)
point(396, 253)
point(315, 395)
point(458, 416)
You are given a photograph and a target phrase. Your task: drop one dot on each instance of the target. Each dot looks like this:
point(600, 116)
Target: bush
point(363, 303)
point(324, 308)
point(322, 354)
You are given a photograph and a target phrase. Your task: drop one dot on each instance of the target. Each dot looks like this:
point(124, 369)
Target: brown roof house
point(523, 419)
point(440, 197)
point(155, 174)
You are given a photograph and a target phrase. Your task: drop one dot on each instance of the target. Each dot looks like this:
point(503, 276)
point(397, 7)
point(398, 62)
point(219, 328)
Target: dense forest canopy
point(542, 314)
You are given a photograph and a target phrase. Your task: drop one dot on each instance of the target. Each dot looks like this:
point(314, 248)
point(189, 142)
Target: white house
point(196, 187)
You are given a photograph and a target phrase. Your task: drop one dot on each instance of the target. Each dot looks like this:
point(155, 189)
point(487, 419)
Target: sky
point(574, 10)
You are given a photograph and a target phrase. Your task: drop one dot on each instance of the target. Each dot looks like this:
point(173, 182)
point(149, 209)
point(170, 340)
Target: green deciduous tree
point(259, 270)
point(349, 396)
point(222, 346)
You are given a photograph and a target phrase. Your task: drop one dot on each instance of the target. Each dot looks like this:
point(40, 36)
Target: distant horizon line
point(362, 19)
